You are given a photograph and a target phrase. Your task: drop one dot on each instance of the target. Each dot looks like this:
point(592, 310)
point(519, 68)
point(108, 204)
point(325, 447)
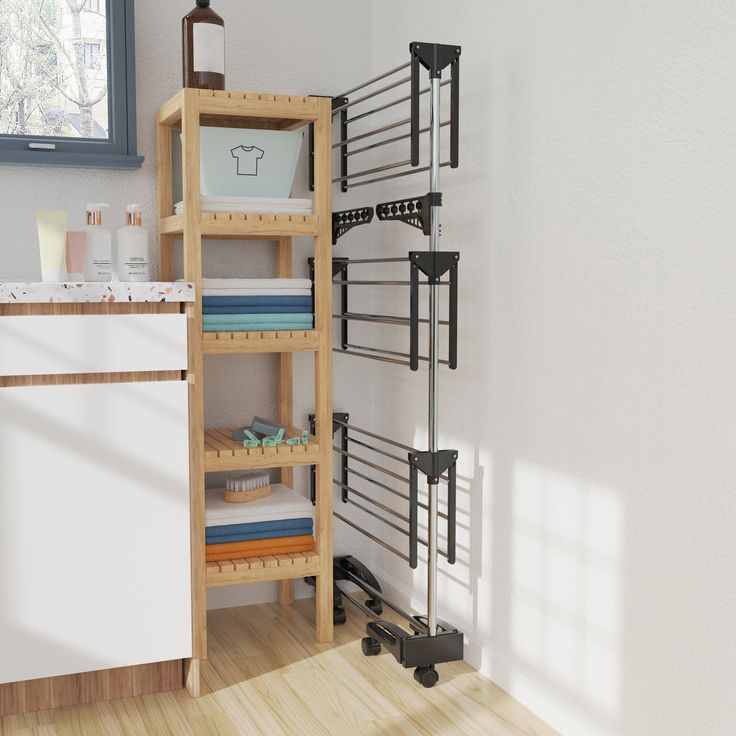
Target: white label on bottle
point(209, 48)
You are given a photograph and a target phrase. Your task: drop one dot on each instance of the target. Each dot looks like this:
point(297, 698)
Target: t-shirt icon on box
point(248, 158)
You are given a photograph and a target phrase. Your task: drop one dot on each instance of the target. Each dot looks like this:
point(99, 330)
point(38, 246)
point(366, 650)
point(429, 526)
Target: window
point(67, 83)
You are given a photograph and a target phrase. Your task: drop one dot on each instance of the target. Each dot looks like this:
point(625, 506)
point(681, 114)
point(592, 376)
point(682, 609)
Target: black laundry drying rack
point(429, 640)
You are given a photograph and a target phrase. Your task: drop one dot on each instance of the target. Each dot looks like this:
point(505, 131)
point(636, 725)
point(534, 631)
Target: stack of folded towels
point(247, 305)
point(278, 524)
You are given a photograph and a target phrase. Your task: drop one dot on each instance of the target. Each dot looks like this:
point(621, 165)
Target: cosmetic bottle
point(52, 242)
point(132, 248)
point(98, 258)
point(203, 48)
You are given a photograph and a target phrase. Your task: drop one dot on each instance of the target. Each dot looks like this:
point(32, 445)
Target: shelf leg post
point(323, 366)
point(192, 677)
point(286, 592)
point(195, 371)
point(286, 364)
point(165, 199)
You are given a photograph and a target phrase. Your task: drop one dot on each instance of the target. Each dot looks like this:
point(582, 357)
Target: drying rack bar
point(401, 173)
point(395, 139)
point(375, 170)
point(380, 518)
point(378, 450)
point(351, 348)
point(405, 496)
point(383, 283)
point(375, 436)
point(353, 261)
point(383, 319)
point(363, 461)
point(391, 104)
point(362, 136)
point(395, 70)
point(370, 95)
point(370, 500)
point(370, 536)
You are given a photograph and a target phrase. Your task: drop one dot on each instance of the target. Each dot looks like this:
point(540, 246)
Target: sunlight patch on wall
point(566, 583)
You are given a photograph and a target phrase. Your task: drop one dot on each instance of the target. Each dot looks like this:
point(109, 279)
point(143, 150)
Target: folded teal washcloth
point(246, 319)
point(259, 327)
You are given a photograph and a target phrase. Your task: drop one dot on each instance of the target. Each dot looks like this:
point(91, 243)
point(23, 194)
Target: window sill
point(81, 160)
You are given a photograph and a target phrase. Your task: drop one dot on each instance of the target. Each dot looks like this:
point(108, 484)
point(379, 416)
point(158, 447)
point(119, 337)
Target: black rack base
point(414, 648)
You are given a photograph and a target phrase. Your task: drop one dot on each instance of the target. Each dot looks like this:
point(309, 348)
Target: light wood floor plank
point(267, 676)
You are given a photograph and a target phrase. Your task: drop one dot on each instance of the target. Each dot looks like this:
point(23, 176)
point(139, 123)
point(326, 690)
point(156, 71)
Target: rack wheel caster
point(339, 616)
point(370, 646)
point(375, 606)
point(425, 676)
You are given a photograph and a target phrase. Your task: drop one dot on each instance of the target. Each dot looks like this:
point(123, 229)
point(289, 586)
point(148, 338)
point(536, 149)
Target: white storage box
point(243, 162)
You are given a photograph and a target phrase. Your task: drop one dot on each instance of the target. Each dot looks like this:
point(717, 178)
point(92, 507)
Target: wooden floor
point(266, 675)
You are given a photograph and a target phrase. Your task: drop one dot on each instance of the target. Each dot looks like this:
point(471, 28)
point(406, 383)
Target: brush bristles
point(248, 482)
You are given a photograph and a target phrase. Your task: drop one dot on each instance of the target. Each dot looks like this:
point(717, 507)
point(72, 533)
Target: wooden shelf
point(262, 569)
point(244, 226)
point(234, 109)
point(222, 453)
point(224, 343)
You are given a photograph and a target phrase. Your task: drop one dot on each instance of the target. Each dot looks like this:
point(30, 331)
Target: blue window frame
point(67, 139)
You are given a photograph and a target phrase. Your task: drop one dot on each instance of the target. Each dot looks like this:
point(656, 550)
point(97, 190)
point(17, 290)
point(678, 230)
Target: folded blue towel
point(247, 319)
point(243, 537)
point(254, 301)
point(261, 526)
point(260, 327)
point(260, 309)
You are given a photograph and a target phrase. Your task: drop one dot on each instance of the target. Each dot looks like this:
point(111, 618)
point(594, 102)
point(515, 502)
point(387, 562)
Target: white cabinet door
point(94, 527)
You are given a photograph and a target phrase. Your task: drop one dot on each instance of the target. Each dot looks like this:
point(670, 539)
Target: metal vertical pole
point(434, 234)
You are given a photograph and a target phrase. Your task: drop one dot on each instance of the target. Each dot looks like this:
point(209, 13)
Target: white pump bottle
point(98, 257)
point(132, 252)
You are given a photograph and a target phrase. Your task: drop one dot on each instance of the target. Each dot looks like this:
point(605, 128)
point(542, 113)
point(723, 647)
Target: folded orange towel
point(259, 547)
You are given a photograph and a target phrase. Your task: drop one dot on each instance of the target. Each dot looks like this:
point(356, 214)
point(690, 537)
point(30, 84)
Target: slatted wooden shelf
point(245, 226)
point(229, 108)
point(262, 569)
point(222, 343)
point(222, 453)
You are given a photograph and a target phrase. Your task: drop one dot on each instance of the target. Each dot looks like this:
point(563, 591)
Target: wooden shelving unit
point(211, 449)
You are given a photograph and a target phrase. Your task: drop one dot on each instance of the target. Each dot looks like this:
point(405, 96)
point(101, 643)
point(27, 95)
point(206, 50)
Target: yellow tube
point(52, 226)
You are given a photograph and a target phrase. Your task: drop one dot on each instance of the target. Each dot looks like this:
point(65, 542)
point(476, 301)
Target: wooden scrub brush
point(247, 487)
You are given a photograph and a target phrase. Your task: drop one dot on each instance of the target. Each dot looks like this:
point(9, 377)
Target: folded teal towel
point(259, 327)
point(246, 319)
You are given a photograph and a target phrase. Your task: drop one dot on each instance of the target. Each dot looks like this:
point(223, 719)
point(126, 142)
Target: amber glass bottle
point(203, 46)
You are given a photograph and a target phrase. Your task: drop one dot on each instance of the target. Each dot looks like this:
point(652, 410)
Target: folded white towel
point(283, 503)
point(252, 204)
point(256, 292)
point(251, 284)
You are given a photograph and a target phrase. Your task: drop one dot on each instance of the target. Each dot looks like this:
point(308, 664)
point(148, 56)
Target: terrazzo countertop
point(90, 292)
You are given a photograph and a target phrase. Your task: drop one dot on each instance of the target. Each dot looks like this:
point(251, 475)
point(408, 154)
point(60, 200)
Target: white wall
point(594, 404)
